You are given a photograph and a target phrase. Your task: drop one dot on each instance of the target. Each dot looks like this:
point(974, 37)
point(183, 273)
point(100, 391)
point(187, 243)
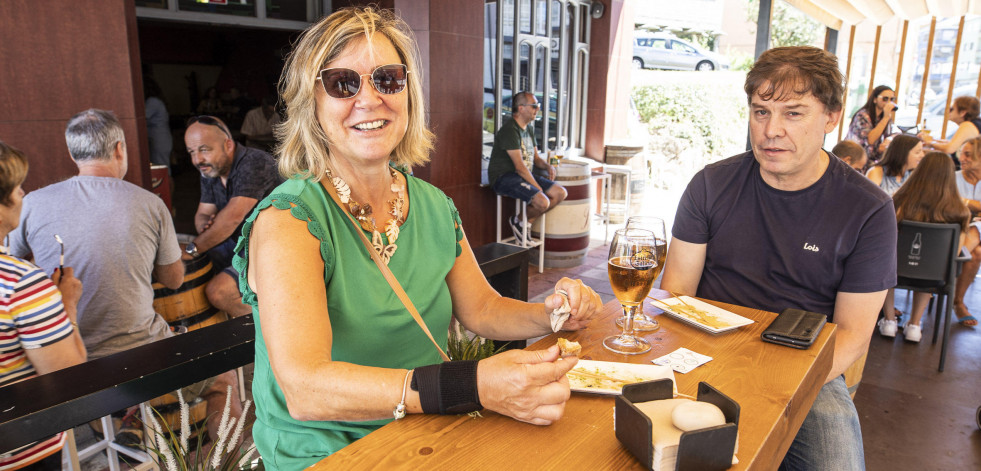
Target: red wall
point(610, 53)
point(62, 57)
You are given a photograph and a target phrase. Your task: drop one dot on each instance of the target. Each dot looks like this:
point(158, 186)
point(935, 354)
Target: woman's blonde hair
point(303, 145)
point(13, 171)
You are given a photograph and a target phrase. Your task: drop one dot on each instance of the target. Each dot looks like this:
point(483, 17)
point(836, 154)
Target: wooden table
point(774, 386)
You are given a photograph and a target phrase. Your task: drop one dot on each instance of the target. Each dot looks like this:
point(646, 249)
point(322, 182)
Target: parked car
point(661, 51)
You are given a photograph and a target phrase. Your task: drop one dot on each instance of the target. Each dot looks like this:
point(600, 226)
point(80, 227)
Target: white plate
point(629, 372)
point(715, 320)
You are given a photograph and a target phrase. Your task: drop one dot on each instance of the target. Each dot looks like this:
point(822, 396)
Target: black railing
point(43, 406)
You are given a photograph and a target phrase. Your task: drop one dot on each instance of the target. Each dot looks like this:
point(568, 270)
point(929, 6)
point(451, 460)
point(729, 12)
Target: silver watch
point(191, 249)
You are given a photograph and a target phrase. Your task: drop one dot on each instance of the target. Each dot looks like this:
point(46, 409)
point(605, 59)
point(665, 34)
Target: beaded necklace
point(363, 213)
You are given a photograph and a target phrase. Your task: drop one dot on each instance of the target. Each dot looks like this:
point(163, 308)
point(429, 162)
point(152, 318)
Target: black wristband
point(447, 388)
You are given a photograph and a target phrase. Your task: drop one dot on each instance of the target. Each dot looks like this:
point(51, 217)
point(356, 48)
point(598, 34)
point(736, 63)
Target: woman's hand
point(889, 112)
point(582, 299)
point(529, 386)
point(71, 289)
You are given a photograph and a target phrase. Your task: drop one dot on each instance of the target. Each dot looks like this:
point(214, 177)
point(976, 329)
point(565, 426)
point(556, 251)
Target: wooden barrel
point(188, 306)
point(853, 375)
point(567, 225)
point(621, 154)
point(168, 408)
point(636, 184)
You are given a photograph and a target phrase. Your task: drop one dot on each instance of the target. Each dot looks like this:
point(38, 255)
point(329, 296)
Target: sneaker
point(887, 328)
point(130, 432)
point(519, 233)
point(913, 332)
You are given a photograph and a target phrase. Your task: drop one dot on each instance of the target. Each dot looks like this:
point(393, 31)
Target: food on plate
point(699, 316)
point(568, 347)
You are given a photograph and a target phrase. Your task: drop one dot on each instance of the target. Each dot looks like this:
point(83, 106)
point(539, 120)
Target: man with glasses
point(512, 158)
point(233, 179)
point(788, 225)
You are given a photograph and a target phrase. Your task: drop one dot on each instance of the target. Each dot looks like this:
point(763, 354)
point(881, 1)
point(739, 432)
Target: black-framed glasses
point(341, 82)
point(208, 120)
point(533, 105)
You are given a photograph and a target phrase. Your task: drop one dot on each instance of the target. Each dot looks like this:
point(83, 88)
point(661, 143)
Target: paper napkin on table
point(682, 360)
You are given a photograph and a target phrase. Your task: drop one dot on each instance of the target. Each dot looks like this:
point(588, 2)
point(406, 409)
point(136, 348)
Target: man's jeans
point(221, 254)
point(830, 437)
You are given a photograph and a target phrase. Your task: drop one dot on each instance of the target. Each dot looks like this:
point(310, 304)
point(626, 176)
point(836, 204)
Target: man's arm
point(225, 222)
point(202, 218)
point(521, 170)
point(855, 315)
point(171, 275)
point(683, 267)
point(541, 163)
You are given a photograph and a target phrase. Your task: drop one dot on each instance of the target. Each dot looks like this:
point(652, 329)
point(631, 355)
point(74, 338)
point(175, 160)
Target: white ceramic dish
point(627, 372)
point(710, 318)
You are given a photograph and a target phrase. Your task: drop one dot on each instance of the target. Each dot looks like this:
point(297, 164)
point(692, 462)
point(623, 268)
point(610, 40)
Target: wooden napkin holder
point(707, 449)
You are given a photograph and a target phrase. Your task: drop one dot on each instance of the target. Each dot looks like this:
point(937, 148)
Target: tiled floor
point(913, 418)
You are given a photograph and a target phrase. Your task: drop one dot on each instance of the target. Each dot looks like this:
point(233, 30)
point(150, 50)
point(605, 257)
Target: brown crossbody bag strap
point(389, 276)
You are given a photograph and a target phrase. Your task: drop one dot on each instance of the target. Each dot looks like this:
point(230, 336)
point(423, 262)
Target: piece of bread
point(569, 348)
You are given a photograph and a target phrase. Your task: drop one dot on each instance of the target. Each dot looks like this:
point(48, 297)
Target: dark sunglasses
point(533, 105)
point(342, 83)
point(208, 120)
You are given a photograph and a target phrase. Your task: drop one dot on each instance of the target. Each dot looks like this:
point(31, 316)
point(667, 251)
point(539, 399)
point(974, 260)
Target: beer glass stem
point(628, 321)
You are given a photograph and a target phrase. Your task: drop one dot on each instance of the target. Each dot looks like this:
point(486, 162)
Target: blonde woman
point(337, 353)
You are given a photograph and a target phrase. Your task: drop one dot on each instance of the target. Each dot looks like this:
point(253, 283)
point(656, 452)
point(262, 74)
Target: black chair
point(927, 261)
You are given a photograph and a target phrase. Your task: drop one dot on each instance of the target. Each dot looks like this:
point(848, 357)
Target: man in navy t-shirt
point(788, 225)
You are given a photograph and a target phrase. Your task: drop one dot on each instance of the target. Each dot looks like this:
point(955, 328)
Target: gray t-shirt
point(115, 233)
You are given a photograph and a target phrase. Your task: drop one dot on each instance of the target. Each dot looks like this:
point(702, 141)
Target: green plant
point(691, 123)
point(461, 346)
point(788, 25)
point(174, 452)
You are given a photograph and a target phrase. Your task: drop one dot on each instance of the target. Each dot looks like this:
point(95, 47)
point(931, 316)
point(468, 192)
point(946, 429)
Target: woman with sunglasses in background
point(902, 156)
point(337, 352)
point(873, 122)
point(38, 319)
point(964, 113)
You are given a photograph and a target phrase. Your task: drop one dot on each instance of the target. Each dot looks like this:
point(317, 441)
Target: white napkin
point(560, 314)
point(682, 360)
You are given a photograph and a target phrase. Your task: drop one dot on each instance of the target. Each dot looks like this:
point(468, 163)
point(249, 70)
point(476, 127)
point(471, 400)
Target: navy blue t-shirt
point(254, 174)
point(772, 249)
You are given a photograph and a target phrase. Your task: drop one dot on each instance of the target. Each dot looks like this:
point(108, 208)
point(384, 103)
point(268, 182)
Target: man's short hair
point(93, 134)
point(850, 150)
point(520, 98)
point(782, 73)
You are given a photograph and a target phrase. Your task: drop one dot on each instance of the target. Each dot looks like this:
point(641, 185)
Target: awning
point(833, 13)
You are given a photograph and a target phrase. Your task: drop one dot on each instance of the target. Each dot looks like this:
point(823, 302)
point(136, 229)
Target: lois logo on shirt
point(811, 247)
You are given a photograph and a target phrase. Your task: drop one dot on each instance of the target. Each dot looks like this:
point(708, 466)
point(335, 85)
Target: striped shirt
point(31, 316)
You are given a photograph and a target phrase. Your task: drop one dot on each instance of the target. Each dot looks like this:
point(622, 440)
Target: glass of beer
point(631, 267)
point(643, 322)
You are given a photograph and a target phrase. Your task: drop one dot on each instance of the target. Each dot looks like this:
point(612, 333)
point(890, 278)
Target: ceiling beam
point(842, 9)
point(817, 13)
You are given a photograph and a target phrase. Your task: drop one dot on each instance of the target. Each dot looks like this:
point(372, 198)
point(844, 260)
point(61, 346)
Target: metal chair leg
point(943, 346)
